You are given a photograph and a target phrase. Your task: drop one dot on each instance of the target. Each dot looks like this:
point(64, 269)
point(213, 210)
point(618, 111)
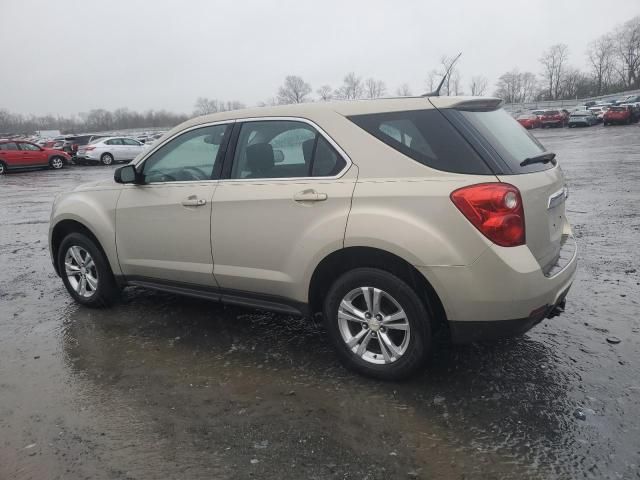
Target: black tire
point(419, 345)
point(56, 163)
point(3, 168)
point(107, 290)
point(106, 159)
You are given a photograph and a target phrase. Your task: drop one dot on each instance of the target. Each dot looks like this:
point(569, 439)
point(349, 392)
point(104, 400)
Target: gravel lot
point(169, 387)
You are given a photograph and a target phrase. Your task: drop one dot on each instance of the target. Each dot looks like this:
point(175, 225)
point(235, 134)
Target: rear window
point(425, 136)
point(617, 109)
point(510, 141)
point(551, 112)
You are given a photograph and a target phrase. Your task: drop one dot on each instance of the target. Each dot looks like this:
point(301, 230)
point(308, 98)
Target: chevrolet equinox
point(396, 220)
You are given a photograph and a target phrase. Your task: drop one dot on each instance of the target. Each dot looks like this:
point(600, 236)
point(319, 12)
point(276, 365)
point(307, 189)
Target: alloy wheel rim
point(107, 159)
point(373, 325)
point(57, 163)
point(81, 271)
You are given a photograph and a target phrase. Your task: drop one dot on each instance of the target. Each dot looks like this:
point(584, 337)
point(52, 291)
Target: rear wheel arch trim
point(338, 262)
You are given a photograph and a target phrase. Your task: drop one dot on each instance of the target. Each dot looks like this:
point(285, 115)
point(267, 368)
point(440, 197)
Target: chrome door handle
point(309, 196)
point(193, 201)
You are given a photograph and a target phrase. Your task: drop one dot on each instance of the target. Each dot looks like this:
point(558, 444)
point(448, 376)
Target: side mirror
point(126, 174)
point(278, 156)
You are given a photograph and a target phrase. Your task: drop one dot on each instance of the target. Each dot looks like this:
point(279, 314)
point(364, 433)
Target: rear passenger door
point(116, 148)
point(12, 155)
point(281, 206)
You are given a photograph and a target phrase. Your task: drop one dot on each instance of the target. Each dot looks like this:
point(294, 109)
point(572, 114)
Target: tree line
point(613, 65)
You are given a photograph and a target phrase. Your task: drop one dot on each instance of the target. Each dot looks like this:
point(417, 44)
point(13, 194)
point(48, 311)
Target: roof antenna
point(436, 92)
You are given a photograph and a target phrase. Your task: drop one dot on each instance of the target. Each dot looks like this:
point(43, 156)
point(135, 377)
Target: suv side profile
point(397, 220)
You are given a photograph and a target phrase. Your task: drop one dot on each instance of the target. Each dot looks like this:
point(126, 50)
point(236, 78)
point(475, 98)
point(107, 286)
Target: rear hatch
point(506, 146)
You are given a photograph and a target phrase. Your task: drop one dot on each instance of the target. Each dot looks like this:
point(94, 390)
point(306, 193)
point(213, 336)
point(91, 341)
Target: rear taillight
point(495, 209)
point(89, 148)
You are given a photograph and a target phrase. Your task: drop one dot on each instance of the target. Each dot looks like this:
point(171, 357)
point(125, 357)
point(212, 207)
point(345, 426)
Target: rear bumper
point(504, 292)
point(469, 332)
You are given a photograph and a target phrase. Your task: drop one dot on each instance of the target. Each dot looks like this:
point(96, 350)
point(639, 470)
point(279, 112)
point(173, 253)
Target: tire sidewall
point(417, 315)
point(106, 285)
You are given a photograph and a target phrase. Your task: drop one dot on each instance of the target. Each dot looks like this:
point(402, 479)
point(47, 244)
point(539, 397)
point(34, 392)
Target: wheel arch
point(64, 228)
point(345, 259)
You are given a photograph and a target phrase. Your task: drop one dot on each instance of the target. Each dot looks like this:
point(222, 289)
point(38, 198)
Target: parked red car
point(529, 121)
point(18, 154)
point(617, 115)
point(553, 118)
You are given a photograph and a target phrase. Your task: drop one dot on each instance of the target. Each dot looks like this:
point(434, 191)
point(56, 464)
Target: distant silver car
point(110, 149)
point(582, 118)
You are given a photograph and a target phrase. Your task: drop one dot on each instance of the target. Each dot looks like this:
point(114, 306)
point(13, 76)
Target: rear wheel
point(3, 168)
point(377, 324)
point(106, 159)
point(56, 163)
point(86, 272)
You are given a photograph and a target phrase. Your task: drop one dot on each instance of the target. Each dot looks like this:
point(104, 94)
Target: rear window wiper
point(542, 158)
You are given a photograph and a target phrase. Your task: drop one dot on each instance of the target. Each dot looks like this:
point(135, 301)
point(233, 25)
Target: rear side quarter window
point(425, 136)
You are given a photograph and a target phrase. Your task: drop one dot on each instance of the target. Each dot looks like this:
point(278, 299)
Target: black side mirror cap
point(126, 174)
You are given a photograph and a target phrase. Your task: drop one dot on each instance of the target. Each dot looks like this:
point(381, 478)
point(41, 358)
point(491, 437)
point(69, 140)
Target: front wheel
point(3, 168)
point(106, 159)
point(56, 163)
point(86, 272)
point(377, 324)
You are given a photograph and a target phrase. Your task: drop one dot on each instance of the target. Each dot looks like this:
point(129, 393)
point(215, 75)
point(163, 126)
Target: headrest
point(260, 158)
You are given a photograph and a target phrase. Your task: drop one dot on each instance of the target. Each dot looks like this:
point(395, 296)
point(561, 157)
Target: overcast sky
point(65, 56)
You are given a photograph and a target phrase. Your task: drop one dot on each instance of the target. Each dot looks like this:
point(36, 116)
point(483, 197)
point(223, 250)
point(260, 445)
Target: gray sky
point(66, 56)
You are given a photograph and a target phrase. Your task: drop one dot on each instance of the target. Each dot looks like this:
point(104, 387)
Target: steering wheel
point(199, 174)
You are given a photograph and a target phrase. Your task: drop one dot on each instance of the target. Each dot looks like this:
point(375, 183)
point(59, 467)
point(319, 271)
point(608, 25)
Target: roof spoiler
point(478, 105)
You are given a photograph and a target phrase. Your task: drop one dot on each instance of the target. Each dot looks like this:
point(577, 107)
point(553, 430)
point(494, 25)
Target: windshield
point(96, 140)
point(551, 112)
point(617, 109)
point(510, 141)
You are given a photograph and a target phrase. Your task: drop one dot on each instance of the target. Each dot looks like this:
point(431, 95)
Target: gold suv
point(396, 219)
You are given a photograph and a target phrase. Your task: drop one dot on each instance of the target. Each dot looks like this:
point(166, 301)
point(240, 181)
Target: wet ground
point(169, 387)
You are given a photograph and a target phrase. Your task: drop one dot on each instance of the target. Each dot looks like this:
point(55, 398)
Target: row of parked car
point(19, 153)
point(621, 111)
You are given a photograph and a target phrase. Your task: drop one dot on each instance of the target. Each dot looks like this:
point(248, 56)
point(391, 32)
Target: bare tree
point(351, 89)
point(433, 78)
point(294, 90)
point(204, 106)
point(325, 93)
point(529, 86)
point(628, 52)
point(404, 90)
point(455, 83)
point(553, 61)
point(478, 86)
point(601, 57)
point(516, 86)
point(374, 88)
point(572, 82)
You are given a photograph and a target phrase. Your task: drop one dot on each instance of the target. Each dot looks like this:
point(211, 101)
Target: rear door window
point(425, 136)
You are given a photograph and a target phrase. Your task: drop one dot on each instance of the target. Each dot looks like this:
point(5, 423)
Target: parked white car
point(110, 149)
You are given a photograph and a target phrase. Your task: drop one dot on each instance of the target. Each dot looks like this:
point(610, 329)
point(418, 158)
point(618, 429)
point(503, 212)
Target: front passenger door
point(163, 226)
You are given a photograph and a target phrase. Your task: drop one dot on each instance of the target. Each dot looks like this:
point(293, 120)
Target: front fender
point(95, 210)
